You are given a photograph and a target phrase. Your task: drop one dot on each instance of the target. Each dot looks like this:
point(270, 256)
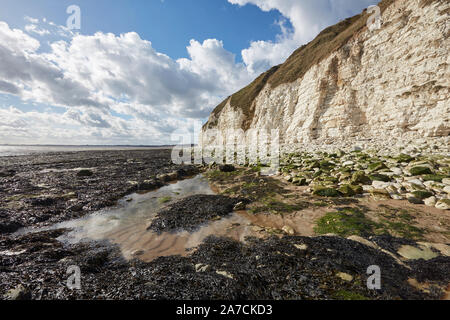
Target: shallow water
point(126, 224)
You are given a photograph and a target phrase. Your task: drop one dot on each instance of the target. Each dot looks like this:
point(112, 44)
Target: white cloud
point(8, 87)
point(127, 67)
point(79, 127)
point(32, 20)
point(32, 28)
point(307, 18)
point(119, 89)
point(96, 76)
point(16, 40)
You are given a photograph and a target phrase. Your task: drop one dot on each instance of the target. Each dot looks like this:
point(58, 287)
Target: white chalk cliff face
point(385, 85)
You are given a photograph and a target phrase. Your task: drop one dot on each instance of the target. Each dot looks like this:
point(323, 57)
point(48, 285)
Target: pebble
point(443, 204)
point(345, 276)
point(397, 171)
point(412, 199)
point(239, 206)
point(202, 267)
point(225, 274)
point(288, 230)
point(431, 201)
point(416, 182)
point(381, 184)
point(18, 293)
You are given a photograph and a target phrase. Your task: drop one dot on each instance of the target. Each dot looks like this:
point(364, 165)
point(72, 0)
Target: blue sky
point(168, 24)
point(137, 71)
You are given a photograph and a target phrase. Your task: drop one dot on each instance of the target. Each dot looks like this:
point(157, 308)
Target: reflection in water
point(129, 215)
point(136, 241)
point(126, 224)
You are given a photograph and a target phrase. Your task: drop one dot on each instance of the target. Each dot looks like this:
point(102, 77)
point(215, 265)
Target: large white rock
point(397, 171)
point(443, 204)
point(416, 182)
point(431, 201)
point(381, 184)
point(447, 189)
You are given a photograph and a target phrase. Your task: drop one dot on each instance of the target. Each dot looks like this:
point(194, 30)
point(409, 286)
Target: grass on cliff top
point(295, 67)
point(245, 97)
point(424, 3)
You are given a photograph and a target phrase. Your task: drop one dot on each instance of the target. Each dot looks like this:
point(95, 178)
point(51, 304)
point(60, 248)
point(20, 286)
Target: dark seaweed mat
point(261, 269)
point(191, 212)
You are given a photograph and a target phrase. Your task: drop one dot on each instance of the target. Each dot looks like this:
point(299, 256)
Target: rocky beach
point(309, 232)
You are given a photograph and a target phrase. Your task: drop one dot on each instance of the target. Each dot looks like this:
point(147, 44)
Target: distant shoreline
point(86, 145)
point(10, 150)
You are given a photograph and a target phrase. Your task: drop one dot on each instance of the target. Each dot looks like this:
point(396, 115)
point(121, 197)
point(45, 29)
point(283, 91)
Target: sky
point(138, 72)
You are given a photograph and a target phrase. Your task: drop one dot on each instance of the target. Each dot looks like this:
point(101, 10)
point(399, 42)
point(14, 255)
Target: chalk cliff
point(352, 84)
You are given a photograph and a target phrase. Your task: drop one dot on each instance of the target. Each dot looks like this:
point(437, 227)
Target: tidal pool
point(126, 224)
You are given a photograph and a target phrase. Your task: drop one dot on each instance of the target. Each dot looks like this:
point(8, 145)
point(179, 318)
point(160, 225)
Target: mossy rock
point(417, 187)
point(434, 177)
point(345, 170)
point(326, 164)
point(334, 155)
point(314, 164)
point(347, 190)
point(418, 171)
point(327, 192)
point(345, 176)
point(421, 194)
point(305, 174)
point(380, 194)
point(318, 174)
point(403, 158)
point(299, 181)
point(360, 177)
point(340, 153)
point(329, 179)
point(379, 177)
point(362, 156)
point(357, 189)
point(345, 223)
point(377, 166)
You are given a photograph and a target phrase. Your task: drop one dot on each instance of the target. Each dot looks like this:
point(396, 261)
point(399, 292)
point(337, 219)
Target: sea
point(21, 150)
